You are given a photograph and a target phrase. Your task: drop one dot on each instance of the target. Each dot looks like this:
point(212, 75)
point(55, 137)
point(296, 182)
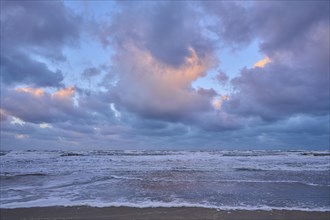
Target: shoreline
point(126, 213)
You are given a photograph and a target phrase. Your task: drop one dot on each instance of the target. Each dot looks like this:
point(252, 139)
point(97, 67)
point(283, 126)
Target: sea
point(226, 180)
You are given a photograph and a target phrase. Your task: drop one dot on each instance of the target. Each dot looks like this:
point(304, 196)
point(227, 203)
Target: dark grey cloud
point(278, 92)
point(207, 92)
point(21, 68)
point(30, 28)
point(42, 27)
point(32, 136)
point(233, 22)
point(286, 134)
point(173, 30)
point(213, 121)
point(168, 30)
point(285, 25)
point(222, 77)
point(172, 130)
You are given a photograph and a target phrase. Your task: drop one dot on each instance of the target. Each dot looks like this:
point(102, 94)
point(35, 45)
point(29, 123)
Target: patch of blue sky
point(232, 61)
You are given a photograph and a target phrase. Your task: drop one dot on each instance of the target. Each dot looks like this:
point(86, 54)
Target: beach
point(128, 213)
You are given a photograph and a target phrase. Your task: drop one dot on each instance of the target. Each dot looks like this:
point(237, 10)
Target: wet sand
point(127, 213)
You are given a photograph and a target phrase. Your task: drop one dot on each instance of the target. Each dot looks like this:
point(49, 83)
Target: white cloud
point(17, 121)
point(21, 136)
point(45, 125)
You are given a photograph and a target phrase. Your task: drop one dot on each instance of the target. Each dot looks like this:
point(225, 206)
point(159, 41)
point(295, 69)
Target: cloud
point(21, 136)
point(153, 89)
point(17, 121)
point(45, 125)
point(297, 79)
point(161, 49)
point(42, 34)
point(262, 63)
point(3, 115)
point(157, 51)
point(217, 101)
point(20, 68)
point(33, 91)
point(37, 106)
point(232, 22)
point(278, 92)
point(90, 72)
point(167, 30)
point(222, 77)
point(153, 86)
point(282, 28)
point(65, 93)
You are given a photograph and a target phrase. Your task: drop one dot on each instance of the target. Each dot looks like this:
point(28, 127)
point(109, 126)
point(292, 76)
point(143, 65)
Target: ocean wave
point(125, 177)
point(72, 155)
point(316, 154)
point(152, 204)
point(248, 169)
point(3, 153)
point(10, 175)
point(243, 181)
point(219, 153)
point(276, 181)
point(79, 183)
point(284, 167)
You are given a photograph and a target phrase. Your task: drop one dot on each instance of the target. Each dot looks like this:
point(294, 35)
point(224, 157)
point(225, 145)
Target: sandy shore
point(126, 213)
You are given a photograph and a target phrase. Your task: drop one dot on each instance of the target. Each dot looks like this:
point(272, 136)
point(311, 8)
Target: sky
point(180, 75)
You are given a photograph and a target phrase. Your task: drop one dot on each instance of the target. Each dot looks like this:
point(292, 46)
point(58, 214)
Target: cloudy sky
point(164, 75)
